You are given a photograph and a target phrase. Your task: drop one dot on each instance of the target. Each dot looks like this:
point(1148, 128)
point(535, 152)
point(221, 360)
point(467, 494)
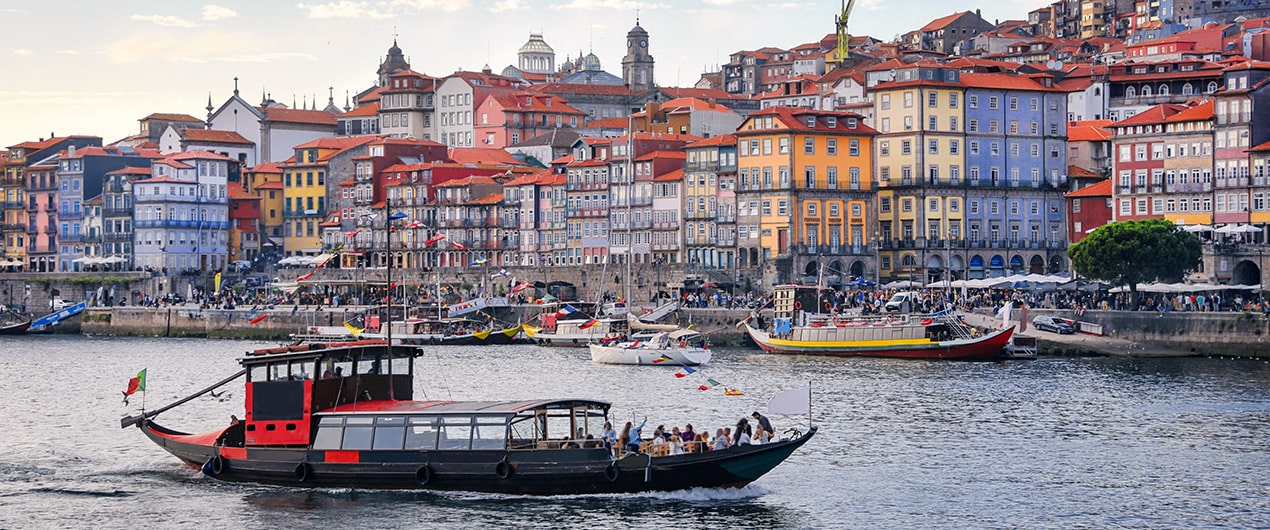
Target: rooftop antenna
point(235, 85)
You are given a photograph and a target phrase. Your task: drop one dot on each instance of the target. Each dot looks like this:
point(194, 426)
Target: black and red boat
point(342, 415)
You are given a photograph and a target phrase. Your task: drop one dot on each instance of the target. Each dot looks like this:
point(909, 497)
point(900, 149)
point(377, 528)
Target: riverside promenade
point(1126, 333)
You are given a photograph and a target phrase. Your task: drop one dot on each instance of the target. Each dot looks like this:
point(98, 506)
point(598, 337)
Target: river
point(1052, 443)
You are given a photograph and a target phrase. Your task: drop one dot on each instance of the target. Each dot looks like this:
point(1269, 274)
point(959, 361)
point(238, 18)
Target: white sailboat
point(648, 343)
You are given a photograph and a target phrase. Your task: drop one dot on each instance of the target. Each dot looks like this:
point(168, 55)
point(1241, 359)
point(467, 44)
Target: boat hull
point(985, 348)
point(649, 356)
point(17, 328)
point(524, 472)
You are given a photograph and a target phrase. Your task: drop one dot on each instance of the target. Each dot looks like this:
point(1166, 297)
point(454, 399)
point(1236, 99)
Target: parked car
point(57, 304)
point(1053, 325)
point(902, 302)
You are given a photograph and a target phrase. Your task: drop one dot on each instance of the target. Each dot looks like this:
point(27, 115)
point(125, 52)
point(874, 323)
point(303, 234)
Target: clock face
point(643, 44)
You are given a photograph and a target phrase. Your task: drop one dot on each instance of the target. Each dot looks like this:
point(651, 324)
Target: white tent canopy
point(1156, 287)
point(1238, 229)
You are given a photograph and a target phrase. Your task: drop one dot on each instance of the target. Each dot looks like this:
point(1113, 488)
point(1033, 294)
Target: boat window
point(259, 372)
point(389, 433)
point(490, 433)
point(357, 433)
point(422, 433)
point(330, 434)
point(278, 371)
point(456, 433)
point(370, 365)
point(400, 366)
point(301, 370)
point(523, 431)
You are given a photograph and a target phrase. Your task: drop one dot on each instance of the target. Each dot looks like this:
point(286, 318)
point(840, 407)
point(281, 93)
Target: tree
point(1132, 252)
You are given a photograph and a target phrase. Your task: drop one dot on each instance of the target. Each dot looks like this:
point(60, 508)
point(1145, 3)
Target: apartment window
point(831, 176)
point(993, 102)
point(831, 146)
point(853, 147)
point(932, 100)
point(809, 146)
point(932, 124)
point(953, 147)
point(885, 101)
point(908, 100)
point(952, 100)
point(952, 123)
point(1014, 103)
point(884, 148)
point(906, 147)
point(809, 174)
point(933, 147)
point(972, 101)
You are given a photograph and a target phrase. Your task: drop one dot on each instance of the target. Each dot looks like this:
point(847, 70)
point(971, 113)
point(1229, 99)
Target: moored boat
point(356, 425)
point(909, 336)
point(682, 347)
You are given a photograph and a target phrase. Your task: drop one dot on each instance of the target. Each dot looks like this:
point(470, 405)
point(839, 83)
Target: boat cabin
point(796, 303)
point(464, 426)
point(286, 385)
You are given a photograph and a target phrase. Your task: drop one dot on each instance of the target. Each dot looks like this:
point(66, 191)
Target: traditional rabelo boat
point(681, 347)
point(13, 322)
point(909, 336)
point(342, 415)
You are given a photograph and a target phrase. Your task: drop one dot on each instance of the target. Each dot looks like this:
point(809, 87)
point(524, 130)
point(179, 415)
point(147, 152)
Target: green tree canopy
point(1133, 252)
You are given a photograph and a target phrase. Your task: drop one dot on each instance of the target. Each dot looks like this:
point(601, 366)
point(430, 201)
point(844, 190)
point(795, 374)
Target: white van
point(901, 302)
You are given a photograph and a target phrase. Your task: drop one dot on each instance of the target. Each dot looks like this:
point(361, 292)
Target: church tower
point(637, 66)
point(395, 62)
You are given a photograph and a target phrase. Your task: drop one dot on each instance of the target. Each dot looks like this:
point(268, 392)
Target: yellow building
point(1188, 167)
point(305, 178)
point(804, 191)
point(265, 181)
point(920, 156)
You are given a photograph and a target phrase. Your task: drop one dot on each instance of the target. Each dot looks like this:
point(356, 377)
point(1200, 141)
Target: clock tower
point(637, 65)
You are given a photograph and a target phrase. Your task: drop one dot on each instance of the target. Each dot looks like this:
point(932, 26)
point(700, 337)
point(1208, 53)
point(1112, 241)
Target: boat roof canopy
point(465, 407)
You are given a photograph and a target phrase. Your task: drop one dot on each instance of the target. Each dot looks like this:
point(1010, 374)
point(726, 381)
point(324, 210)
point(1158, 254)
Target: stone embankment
point(1124, 332)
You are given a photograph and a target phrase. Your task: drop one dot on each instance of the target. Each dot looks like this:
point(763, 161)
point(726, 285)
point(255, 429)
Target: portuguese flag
point(135, 384)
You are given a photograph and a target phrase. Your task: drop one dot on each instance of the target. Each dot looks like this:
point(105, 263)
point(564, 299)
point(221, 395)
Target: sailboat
point(667, 344)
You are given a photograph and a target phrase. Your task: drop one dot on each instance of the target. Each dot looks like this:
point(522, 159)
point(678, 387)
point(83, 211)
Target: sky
point(95, 68)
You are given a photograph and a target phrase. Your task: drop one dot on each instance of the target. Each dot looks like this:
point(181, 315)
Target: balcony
point(666, 225)
point(179, 223)
point(12, 205)
point(672, 245)
point(13, 227)
point(116, 212)
point(118, 238)
point(641, 201)
point(451, 223)
point(510, 222)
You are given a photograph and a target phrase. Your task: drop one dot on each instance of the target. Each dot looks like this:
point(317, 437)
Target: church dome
point(637, 31)
point(591, 63)
point(536, 44)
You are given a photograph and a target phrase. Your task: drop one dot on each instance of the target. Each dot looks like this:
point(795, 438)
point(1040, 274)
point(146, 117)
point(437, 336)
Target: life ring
point(612, 472)
point(424, 475)
point(683, 344)
point(214, 466)
point(828, 307)
point(503, 469)
point(302, 471)
point(798, 304)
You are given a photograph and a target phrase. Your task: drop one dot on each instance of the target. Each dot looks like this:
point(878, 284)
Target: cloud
point(720, 3)
point(67, 52)
point(343, 9)
point(508, 5)
point(213, 12)
point(608, 4)
point(213, 47)
point(165, 20)
point(22, 52)
point(11, 10)
point(448, 6)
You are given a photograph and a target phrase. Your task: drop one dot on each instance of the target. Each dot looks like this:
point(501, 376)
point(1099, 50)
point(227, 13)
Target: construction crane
point(844, 39)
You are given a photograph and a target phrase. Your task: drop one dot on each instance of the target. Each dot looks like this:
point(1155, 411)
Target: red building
point(508, 119)
point(244, 223)
point(1088, 208)
point(1138, 163)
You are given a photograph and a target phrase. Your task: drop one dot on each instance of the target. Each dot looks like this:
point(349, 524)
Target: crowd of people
point(675, 441)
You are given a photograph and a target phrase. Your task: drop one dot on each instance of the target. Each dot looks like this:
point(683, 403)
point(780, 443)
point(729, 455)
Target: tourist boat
point(908, 336)
point(573, 332)
point(448, 331)
point(681, 347)
point(356, 426)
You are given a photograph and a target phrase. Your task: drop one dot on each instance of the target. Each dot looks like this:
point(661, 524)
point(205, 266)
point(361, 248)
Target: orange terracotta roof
point(493, 198)
point(1101, 189)
point(341, 142)
point(266, 167)
point(93, 201)
point(1157, 114)
point(1080, 172)
point(609, 123)
point(215, 136)
point(313, 117)
point(553, 180)
point(166, 180)
point(238, 193)
point(467, 181)
point(795, 118)
point(199, 155)
point(563, 160)
point(346, 183)
point(581, 88)
point(674, 176)
point(663, 155)
point(1087, 133)
point(722, 139)
point(271, 185)
point(943, 22)
point(477, 155)
point(1265, 147)
point(131, 171)
point(364, 111)
point(1202, 111)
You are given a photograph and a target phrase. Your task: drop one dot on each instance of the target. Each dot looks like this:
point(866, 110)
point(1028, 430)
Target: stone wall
point(1227, 333)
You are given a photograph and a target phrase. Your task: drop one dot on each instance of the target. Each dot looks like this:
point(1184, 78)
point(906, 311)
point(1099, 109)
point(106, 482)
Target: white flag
point(1004, 314)
point(793, 401)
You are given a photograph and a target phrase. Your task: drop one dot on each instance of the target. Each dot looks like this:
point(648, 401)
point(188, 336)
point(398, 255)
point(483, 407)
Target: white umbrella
point(112, 259)
point(87, 260)
point(1197, 228)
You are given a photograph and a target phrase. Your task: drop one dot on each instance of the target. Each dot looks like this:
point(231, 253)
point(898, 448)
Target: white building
point(182, 213)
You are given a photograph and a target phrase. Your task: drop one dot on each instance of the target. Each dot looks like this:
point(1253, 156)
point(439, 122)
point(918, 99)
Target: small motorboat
point(682, 347)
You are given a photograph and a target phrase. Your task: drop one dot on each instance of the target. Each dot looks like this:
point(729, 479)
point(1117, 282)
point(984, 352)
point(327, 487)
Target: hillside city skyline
point(92, 71)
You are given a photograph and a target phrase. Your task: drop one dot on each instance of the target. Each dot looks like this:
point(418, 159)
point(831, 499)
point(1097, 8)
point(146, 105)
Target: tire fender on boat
point(424, 475)
point(503, 469)
point(303, 471)
point(214, 466)
point(612, 472)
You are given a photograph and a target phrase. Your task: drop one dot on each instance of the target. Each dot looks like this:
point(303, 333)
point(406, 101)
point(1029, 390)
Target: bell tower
point(637, 65)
